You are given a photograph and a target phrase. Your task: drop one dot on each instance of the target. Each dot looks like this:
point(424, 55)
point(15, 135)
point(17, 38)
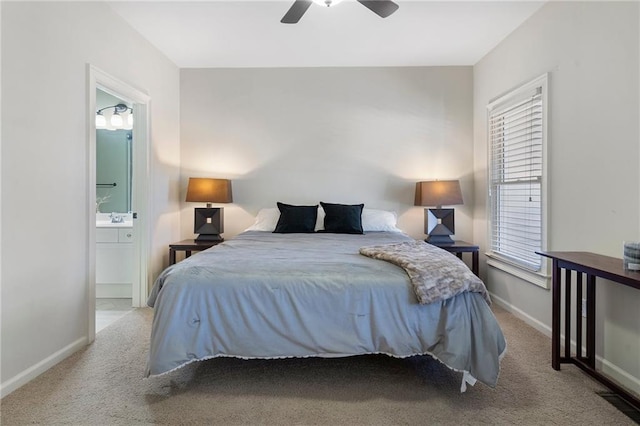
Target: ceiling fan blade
point(382, 8)
point(298, 8)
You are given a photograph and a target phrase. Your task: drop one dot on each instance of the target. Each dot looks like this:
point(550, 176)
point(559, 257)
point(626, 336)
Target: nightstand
point(459, 247)
point(187, 246)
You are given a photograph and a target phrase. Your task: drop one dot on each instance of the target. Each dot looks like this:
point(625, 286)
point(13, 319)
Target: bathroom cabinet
point(114, 262)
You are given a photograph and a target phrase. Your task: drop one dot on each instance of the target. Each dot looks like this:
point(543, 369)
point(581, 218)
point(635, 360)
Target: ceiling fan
point(382, 8)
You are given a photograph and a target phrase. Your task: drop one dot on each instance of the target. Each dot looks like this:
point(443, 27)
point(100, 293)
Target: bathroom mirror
point(113, 160)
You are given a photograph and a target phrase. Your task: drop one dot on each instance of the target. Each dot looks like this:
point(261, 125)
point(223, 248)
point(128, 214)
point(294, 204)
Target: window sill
point(537, 278)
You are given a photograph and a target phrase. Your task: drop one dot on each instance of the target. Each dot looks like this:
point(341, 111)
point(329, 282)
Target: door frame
point(98, 79)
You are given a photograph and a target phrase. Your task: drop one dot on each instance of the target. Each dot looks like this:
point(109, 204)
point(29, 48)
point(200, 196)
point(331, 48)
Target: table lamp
point(209, 221)
point(439, 223)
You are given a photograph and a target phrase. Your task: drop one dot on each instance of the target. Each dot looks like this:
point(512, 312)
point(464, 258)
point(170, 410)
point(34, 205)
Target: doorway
point(114, 211)
point(126, 218)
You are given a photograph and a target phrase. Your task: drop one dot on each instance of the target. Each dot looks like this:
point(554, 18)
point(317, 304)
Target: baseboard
point(34, 371)
point(613, 371)
point(531, 321)
point(619, 375)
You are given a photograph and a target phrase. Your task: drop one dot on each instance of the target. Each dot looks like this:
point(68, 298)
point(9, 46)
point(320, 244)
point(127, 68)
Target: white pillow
point(320, 219)
point(266, 220)
point(379, 220)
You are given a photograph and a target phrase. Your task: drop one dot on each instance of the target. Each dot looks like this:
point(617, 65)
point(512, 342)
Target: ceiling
point(216, 33)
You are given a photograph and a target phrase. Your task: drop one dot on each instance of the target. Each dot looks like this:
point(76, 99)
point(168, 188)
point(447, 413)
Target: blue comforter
point(264, 295)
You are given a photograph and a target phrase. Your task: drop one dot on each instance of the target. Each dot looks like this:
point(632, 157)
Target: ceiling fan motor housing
point(382, 8)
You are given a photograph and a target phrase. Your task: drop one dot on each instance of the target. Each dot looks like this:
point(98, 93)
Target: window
point(517, 123)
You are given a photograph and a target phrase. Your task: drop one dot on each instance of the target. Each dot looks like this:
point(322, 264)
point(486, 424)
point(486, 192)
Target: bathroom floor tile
point(109, 311)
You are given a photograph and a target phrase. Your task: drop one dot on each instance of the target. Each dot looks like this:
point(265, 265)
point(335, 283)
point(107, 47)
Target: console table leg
point(591, 320)
point(555, 321)
point(579, 315)
point(567, 313)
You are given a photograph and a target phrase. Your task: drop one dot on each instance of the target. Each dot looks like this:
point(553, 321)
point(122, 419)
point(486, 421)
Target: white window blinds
point(516, 173)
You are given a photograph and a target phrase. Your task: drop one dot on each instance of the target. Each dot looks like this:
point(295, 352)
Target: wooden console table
point(592, 265)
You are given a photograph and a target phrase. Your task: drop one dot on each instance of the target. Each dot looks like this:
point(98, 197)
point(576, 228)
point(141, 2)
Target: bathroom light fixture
point(116, 120)
point(439, 223)
point(101, 121)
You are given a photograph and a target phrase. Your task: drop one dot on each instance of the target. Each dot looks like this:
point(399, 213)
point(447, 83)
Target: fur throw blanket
point(435, 273)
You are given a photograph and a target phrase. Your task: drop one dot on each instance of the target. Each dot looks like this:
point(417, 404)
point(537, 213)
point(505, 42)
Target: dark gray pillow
point(343, 218)
point(296, 219)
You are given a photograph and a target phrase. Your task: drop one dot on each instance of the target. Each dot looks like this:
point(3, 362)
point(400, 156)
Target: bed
point(269, 295)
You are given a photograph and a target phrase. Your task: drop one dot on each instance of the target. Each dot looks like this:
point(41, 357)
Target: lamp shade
point(438, 193)
point(207, 190)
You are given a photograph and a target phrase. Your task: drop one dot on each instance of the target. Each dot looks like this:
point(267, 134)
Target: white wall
point(591, 51)
point(1, 126)
point(45, 221)
point(346, 135)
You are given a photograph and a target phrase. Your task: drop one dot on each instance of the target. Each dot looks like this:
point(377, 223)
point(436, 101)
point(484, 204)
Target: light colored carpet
point(103, 385)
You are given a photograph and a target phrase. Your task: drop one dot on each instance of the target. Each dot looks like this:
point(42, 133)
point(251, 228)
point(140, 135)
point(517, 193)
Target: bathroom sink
point(104, 220)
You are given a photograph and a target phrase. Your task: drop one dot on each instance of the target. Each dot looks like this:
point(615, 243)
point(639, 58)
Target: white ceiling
point(216, 33)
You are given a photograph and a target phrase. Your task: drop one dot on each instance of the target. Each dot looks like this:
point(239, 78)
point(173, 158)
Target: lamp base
point(439, 240)
point(439, 225)
point(209, 224)
point(209, 237)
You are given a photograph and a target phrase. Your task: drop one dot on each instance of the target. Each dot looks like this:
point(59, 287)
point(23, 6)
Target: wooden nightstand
point(459, 247)
point(188, 246)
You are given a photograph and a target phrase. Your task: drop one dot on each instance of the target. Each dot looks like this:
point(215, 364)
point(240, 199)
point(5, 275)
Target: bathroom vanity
point(114, 256)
